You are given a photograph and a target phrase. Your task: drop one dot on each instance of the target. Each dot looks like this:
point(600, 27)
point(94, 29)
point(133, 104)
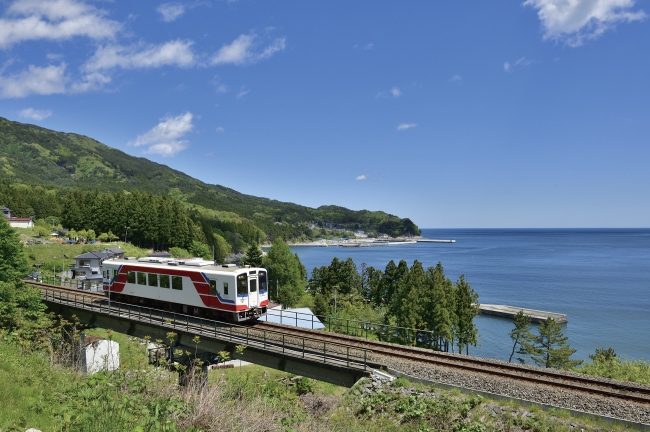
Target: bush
point(304, 385)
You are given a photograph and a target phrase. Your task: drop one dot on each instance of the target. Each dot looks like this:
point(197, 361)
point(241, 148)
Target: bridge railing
point(309, 348)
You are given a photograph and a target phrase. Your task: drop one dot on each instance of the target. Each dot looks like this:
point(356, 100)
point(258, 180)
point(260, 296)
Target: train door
point(253, 291)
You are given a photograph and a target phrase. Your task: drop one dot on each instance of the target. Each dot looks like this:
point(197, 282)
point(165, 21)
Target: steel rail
point(477, 365)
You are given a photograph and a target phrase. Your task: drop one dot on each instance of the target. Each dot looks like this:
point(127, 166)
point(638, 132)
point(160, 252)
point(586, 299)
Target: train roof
point(187, 264)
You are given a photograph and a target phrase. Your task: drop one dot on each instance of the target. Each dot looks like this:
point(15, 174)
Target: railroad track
point(97, 295)
point(474, 365)
point(572, 382)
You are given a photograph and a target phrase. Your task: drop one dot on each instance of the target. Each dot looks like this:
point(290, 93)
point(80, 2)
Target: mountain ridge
point(64, 161)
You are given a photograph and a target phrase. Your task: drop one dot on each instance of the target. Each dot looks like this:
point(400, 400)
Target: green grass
point(26, 379)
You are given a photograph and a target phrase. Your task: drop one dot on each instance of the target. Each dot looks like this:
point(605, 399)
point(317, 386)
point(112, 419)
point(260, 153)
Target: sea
point(599, 278)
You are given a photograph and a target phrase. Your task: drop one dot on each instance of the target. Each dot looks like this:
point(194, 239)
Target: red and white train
point(193, 287)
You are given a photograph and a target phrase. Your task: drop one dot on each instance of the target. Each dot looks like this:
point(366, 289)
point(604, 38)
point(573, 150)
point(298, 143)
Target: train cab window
point(225, 288)
point(142, 278)
point(262, 280)
point(164, 281)
point(242, 284)
point(153, 279)
point(253, 285)
point(130, 277)
point(177, 282)
point(213, 287)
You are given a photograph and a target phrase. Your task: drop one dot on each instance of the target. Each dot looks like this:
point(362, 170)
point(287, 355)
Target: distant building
point(89, 263)
point(16, 222)
point(160, 255)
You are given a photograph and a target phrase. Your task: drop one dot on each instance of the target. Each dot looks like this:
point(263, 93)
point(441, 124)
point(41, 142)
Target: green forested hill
point(58, 163)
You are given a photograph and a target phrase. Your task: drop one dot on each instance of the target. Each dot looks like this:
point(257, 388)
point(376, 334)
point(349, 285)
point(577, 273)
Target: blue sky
point(456, 114)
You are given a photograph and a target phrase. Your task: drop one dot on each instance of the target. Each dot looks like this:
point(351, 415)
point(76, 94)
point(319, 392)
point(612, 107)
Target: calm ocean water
point(600, 278)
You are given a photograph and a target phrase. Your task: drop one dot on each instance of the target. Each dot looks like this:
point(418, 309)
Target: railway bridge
point(322, 360)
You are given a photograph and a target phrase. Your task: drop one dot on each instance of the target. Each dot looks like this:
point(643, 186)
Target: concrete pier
point(536, 316)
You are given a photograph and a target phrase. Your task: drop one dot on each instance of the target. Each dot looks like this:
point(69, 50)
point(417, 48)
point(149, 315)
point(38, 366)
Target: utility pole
point(127, 234)
point(336, 289)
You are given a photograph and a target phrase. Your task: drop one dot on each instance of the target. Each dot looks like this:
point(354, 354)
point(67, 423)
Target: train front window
point(253, 285)
point(242, 284)
point(142, 278)
point(164, 281)
point(130, 277)
point(262, 280)
point(213, 287)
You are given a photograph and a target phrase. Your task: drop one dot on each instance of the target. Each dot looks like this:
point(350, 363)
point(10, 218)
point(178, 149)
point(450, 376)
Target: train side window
point(142, 278)
point(225, 288)
point(262, 279)
point(177, 282)
point(153, 279)
point(164, 281)
point(213, 287)
point(242, 284)
point(130, 277)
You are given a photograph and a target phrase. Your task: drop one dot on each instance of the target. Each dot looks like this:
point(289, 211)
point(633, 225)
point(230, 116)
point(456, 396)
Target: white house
point(16, 222)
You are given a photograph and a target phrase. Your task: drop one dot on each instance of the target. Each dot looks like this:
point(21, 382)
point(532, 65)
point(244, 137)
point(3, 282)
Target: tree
point(521, 336)
point(253, 256)
point(550, 347)
point(221, 248)
point(13, 265)
point(284, 271)
point(200, 250)
point(467, 307)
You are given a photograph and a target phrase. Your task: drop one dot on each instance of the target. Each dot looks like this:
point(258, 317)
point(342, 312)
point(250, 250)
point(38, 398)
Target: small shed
point(99, 354)
point(297, 317)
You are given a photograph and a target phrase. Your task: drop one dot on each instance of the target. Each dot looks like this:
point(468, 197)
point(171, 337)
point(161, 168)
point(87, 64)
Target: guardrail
point(365, 329)
point(271, 340)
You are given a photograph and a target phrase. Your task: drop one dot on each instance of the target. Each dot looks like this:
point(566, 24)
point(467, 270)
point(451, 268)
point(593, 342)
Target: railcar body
point(193, 287)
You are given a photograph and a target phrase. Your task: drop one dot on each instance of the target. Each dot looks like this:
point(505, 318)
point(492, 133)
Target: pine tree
point(467, 307)
point(521, 336)
point(13, 265)
point(551, 349)
point(253, 256)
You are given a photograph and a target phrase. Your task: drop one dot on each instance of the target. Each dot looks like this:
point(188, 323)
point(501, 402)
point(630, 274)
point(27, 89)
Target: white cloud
point(165, 137)
point(171, 11)
point(90, 81)
point(243, 92)
point(242, 51)
point(456, 79)
point(176, 53)
point(362, 177)
point(405, 126)
point(364, 47)
point(34, 114)
point(220, 129)
point(55, 20)
point(35, 80)
point(522, 62)
point(574, 21)
point(167, 149)
point(395, 92)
